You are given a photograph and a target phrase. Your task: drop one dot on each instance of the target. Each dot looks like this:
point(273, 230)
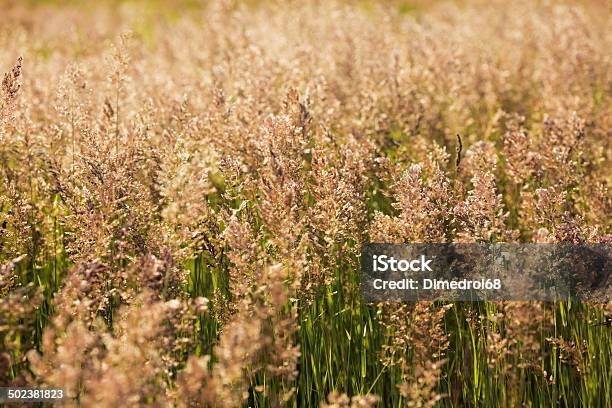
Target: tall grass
point(184, 195)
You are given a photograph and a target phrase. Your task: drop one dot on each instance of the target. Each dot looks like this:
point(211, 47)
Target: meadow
point(185, 189)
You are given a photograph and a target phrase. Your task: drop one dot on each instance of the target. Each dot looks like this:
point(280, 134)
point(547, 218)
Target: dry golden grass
point(184, 192)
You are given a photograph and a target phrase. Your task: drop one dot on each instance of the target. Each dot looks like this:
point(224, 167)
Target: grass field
point(185, 189)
